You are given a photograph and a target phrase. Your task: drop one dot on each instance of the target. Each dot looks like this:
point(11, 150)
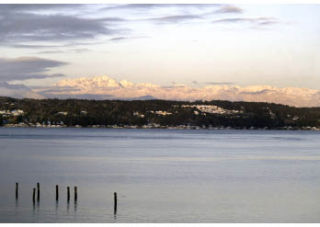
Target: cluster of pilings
point(68, 193)
point(57, 195)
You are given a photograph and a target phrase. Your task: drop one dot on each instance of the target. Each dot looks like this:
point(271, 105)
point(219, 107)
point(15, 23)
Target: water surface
point(161, 175)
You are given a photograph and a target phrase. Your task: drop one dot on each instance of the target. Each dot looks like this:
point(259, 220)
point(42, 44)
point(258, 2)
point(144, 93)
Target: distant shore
point(180, 127)
point(161, 114)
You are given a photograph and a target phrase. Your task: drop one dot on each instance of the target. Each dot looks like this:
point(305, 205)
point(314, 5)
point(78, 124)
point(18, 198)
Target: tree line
point(71, 112)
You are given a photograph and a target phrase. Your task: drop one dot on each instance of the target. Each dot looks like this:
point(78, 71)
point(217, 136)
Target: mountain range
point(105, 87)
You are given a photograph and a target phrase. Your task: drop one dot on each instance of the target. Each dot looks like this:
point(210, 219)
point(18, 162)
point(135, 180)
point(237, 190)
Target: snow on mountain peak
point(109, 87)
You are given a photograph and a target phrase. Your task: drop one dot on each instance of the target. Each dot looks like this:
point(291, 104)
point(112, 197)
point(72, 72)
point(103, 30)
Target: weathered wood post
point(38, 192)
point(17, 190)
point(115, 202)
point(34, 195)
point(57, 192)
point(75, 193)
point(68, 194)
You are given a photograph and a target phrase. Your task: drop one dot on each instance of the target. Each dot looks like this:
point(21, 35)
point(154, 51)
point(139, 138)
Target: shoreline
point(181, 127)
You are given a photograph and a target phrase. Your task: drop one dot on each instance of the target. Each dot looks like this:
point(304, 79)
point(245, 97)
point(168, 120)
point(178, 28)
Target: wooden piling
point(38, 191)
point(34, 195)
point(115, 202)
point(17, 190)
point(68, 193)
point(57, 192)
point(75, 194)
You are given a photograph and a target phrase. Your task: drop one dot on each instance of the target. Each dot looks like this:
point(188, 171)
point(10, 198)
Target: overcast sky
point(195, 45)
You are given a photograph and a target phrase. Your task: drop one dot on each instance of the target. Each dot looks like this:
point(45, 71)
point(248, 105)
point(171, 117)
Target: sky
point(161, 44)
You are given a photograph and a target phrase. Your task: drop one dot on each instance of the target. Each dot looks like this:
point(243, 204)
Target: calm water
point(161, 175)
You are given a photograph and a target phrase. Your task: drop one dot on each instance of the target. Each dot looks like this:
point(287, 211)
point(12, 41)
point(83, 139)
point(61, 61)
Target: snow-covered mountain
point(104, 86)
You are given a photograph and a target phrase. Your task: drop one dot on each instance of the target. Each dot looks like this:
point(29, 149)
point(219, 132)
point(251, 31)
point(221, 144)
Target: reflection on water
point(75, 207)
point(160, 175)
point(34, 208)
point(57, 206)
point(68, 207)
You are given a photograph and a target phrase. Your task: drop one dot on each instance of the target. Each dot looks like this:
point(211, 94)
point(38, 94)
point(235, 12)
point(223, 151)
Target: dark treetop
point(155, 113)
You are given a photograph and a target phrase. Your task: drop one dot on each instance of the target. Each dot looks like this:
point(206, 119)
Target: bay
point(160, 175)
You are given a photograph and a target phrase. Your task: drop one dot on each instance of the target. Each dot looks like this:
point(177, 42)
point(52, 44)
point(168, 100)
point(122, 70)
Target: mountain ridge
point(123, 89)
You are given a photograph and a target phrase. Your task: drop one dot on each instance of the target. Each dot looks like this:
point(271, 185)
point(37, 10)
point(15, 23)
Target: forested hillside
point(154, 113)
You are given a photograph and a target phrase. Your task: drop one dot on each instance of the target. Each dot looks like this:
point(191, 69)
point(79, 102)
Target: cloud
point(158, 6)
point(133, 7)
point(119, 38)
point(219, 83)
point(37, 25)
point(60, 51)
point(31, 27)
point(18, 91)
point(65, 45)
point(255, 21)
point(212, 83)
point(104, 86)
point(33, 46)
point(37, 7)
point(229, 9)
point(187, 16)
point(48, 26)
point(175, 18)
point(24, 68)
